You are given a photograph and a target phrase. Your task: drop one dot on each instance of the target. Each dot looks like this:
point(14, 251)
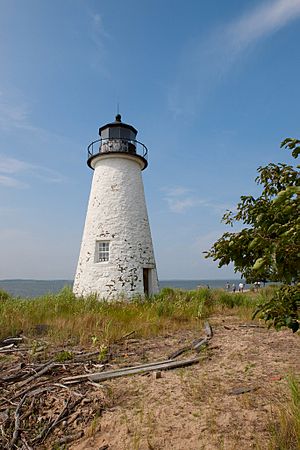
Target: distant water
point(35, 288)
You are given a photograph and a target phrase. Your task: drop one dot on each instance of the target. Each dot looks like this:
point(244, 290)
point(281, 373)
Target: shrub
point(282, 309)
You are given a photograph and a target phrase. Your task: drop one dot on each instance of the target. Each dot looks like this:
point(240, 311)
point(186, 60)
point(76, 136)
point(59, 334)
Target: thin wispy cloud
point(181, 199)
point(98, 25)
point(11, 182)
point(15, 173)
point(14, 113)
point(98, 36)
point(11, 165)
point(206, 61)
point(264, 20)
point(176, 191)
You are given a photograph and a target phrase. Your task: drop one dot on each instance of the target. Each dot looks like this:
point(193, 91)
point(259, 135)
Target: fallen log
point(102, 376)
point(150, 368)
point(76, 378)
point(86, 376)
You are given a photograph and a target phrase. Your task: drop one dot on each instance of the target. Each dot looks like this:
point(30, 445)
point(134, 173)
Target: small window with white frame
point(102, 251)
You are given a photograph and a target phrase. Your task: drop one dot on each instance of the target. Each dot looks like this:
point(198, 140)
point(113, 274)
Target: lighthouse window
point(102, 251)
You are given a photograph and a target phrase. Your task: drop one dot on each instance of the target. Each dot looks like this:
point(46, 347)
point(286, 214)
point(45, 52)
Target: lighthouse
point(116, 257)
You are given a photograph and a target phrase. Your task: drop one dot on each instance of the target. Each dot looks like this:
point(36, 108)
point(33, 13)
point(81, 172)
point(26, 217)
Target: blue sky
point(212, 87)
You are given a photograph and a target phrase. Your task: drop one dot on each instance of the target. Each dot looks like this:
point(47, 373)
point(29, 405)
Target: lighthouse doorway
point(146, 279)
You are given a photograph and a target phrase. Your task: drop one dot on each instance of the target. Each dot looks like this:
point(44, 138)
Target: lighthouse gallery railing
point(117, 145)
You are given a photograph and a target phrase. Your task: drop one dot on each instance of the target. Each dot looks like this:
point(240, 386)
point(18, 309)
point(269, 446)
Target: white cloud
point(176, 191)
point(179, 205)
point(12, 166)
point(11, 182)
point(267, 18)
point(206, 61)
point(15, 112)
point(98, 36)
point(180, 199)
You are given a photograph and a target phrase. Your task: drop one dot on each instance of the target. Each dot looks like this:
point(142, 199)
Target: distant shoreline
point(164, 280)
point(29, 288)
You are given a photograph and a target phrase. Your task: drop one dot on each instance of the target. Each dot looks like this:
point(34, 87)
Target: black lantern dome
point(118, 130)
point(117, 137)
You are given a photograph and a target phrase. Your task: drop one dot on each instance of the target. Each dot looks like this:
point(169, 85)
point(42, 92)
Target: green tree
point(268, 247)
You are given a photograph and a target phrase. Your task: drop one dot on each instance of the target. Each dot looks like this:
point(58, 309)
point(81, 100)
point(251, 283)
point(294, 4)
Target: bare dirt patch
point(223, 402)
point(195, 408)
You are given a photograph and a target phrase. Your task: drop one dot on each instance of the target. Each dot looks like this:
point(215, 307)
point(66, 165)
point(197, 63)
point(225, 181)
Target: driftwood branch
point(42, 436)
point(180, 352)
point(11, 340)
point(25, 443)
point(63, 414)
point(208, 330)
point(30, 391)
point(202, 343)
point(70, 438)
point(102, 376)
point(38, 374)
point(126, 336)
point(196, 345)
point(146, 368)
point(242, 390)
point(85, 356)
point(17, 423)
point(6, 347)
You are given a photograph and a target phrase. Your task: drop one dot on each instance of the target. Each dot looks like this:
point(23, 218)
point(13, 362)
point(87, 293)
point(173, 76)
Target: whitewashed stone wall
point(116, 213)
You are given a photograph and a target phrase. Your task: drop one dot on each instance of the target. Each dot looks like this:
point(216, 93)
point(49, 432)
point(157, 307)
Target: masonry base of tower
point(118, 282)
point(116, 257)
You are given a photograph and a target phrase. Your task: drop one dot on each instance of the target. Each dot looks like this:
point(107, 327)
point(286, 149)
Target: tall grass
point(82, 321)
point(285, 427)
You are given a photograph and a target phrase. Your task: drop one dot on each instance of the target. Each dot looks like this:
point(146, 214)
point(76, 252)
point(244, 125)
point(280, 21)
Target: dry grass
point(64, 318)
point(285, 420)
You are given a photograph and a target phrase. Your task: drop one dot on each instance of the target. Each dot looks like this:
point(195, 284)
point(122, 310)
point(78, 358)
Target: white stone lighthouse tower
point(116, 257)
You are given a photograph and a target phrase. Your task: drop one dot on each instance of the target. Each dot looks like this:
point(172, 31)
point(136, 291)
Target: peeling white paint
point(116, 213)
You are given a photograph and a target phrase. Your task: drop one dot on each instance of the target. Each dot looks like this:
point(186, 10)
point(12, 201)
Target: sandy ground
point(195, 408)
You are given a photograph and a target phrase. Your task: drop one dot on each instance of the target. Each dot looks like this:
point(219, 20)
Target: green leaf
point(258, 263)
point(253, 244)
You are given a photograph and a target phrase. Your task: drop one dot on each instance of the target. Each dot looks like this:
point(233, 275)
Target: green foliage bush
point(283, 309)
point(268, 248)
